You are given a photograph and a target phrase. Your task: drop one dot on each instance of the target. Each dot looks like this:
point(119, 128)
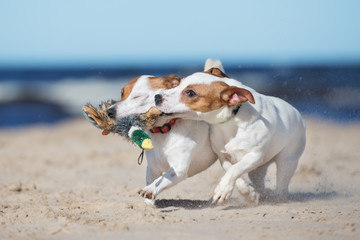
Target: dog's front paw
point(147, 193)
point(222, 192)
point(150, 202)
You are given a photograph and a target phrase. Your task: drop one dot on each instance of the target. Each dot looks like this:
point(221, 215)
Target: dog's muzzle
point(111, 112)
point(158, 99)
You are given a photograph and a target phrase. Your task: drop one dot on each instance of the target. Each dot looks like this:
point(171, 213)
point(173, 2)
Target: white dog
point(183, 149)
point(179, 152)
point(248, 130)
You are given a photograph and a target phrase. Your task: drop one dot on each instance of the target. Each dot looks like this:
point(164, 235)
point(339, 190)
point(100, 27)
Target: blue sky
point(78, 32)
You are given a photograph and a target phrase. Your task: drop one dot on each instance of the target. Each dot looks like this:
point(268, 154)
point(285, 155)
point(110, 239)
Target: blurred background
point(55, 56)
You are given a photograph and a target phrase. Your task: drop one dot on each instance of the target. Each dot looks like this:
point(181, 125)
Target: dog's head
point(137, 96)
point(203, 96)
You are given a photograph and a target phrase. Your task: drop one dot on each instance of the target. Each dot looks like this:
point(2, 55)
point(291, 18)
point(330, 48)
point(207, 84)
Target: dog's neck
point(164, 128)
point(219, 116)
point(235, 110)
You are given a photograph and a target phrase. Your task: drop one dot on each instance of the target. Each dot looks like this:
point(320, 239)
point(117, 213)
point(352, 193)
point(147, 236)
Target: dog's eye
point(190, 93)
point(122, 93)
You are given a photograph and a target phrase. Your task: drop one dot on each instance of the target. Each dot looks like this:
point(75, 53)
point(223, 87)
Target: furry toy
point(130, 127)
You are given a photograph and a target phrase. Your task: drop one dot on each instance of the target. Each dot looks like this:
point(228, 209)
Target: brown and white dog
point(181, 152)
point(248, 130)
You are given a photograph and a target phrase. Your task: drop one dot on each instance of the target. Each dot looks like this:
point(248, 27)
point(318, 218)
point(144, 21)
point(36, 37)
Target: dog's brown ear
point(166, 82)
point(173, 79)
point(234, 95)
point(216, 72)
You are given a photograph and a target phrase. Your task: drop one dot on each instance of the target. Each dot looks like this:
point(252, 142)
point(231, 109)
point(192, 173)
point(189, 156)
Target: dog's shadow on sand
point(184, 203)
point(268, 198)
point(308, 196)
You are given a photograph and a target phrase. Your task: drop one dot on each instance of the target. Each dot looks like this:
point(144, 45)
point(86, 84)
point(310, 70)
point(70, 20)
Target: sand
point(67, 181)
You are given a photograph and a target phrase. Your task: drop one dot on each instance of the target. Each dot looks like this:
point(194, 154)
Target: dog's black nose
point(158, 99)
point(111, 112)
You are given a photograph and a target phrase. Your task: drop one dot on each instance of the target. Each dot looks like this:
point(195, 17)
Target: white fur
point(271, 130)
point(139, 101)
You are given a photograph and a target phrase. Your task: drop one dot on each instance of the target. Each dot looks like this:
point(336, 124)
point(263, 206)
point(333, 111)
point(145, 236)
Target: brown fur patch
point(216, 72)
point(166, 82)
point(209, 97)
point(125, 92)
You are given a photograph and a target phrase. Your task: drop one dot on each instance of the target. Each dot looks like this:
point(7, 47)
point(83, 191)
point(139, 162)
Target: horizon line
point(171, 62)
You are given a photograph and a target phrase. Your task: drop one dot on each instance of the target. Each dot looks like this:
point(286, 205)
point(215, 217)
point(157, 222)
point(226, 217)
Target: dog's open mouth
point(171, 114)
point(164, 114)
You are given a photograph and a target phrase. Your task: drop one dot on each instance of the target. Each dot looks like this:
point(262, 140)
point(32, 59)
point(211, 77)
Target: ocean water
point(31, 96)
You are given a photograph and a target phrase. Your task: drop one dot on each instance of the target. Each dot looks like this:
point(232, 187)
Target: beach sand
point(67, 181)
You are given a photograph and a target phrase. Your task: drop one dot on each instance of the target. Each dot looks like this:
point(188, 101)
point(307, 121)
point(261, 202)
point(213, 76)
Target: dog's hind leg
point(285, 168)
point(286, 164)
point(257, 177)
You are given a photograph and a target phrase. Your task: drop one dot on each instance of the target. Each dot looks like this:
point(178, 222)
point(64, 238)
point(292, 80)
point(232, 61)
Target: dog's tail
point(213, 63)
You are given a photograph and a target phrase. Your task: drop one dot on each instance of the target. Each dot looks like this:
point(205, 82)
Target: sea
point(49, 95)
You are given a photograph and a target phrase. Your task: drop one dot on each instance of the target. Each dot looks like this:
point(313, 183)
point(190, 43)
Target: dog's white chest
point(219, 138)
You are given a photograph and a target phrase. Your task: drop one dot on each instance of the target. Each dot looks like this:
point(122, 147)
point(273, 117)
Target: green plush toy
point(140, 138)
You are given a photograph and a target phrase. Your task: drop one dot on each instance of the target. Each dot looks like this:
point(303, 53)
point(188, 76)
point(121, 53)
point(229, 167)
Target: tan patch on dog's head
point(166, 82)
point(209, 97)
point(216, 72)
point(203, 97)
point(125, 91)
